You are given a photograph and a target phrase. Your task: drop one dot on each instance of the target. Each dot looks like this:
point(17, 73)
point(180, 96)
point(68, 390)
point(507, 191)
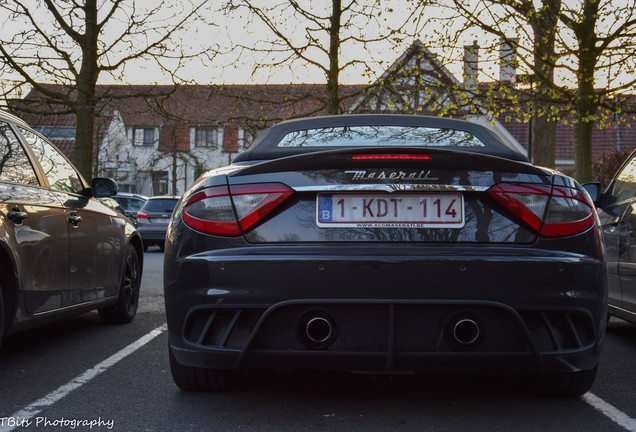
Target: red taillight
point(391, 156)
point(254, 202)
point(210, 211)
point(142, 215)
point(215, 210)
point(551, 211)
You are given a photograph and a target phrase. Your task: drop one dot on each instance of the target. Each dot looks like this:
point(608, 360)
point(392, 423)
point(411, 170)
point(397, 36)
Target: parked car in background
point(617, 212)
point(385, 243)
point(62, 251)
point(153, 218)
point(131, 202)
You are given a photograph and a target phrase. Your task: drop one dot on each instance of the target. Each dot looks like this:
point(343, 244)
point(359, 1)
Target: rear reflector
point(550, 211)
point(391, 156)
point(232, 211)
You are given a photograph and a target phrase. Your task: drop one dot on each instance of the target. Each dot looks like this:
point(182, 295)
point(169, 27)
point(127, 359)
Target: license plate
point(162, 220)
point(371, 210)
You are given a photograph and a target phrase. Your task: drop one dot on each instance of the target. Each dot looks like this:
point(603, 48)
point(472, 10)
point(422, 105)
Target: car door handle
point(75, 220)
point(17, 216)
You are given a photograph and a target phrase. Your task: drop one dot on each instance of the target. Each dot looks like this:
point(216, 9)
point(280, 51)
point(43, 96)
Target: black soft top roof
point(266, 145)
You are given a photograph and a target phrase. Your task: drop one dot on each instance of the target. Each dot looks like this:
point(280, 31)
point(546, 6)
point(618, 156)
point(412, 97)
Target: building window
point(129, 188)
point(206, 137)
point(144, 136)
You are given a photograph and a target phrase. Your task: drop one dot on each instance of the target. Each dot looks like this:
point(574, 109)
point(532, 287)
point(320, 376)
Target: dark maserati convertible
point(390, 244)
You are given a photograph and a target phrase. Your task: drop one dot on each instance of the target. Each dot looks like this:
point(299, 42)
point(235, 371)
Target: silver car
point(153, 218)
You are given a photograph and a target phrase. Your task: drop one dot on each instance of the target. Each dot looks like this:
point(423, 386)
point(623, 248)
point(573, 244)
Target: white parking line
point(26, 414)
point(613, 413)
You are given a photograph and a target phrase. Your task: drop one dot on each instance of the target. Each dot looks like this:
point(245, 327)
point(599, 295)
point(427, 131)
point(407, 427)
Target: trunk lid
point(400, 195)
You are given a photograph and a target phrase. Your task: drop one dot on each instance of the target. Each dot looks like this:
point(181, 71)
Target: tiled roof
point(244, 106)
point(615, 135)
point(177, 108)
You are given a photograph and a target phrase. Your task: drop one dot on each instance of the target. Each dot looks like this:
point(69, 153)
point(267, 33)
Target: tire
point(125, 309)
point(199, 379)
point(563, 384)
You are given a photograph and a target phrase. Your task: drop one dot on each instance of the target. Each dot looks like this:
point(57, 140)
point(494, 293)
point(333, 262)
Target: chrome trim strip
point(625, 311)
point(76, 306)
point(390, 188)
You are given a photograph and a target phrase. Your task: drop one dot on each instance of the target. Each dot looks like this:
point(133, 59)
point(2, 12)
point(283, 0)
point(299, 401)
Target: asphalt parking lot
point(82, 375)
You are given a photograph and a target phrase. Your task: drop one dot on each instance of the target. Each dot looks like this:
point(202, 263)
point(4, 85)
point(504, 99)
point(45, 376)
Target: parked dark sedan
point(62, 251)
point(385, 243)
point(617, 212)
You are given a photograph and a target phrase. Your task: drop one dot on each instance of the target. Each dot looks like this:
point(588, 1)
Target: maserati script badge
point(391, 175)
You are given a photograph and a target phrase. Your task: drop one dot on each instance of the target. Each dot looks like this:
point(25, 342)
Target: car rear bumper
point(152, 234)
point(250, 307)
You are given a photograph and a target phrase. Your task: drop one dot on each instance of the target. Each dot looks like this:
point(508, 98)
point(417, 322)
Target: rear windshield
point(160, 205)
point(384, 136)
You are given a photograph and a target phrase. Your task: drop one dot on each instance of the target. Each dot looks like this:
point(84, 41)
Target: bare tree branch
point(78, 40)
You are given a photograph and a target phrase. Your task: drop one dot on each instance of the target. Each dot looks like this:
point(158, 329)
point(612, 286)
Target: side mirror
point(104, 187)
point(594, 190)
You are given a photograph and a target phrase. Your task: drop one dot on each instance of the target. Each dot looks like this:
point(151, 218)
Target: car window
point(122, 201)
point(135, 204)
point(160, 205)
point(15, 166)
point(624, 187)
point(372, 136)
point(59, 172)
point(132, 204)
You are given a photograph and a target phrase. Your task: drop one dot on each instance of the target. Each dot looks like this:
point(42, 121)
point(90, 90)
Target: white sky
point(231, 69)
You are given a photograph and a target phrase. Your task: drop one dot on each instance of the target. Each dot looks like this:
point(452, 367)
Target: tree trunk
point(583, 152)
point(333, 97)
point(587, 99)
point(544, 141)
point(83, 151)
point(544, 132)
point(85, 102)
point(174, 168)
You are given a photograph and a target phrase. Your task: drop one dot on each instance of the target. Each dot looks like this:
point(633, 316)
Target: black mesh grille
point(425, 328)
point(555, 331)
point(368, 328)
point(230, 328)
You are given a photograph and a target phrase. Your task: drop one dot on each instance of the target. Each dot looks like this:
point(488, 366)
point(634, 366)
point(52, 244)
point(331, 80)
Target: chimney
point(471, 64)
point(507, 60)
